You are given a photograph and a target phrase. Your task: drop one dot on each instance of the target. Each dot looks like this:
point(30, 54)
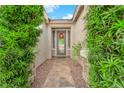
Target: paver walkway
point(59, 73)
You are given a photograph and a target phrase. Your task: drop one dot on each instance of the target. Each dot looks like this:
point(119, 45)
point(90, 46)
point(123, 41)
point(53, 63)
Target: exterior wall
point(49, 37)
point(42, 51)
point(72, 37)
point(80, 36)
point(42, 47)
point(79, 31)
point(60, 25)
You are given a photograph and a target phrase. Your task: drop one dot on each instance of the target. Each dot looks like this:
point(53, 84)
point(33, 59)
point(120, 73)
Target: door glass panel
point(69, 39)
point(53, 38)
point(61, 43)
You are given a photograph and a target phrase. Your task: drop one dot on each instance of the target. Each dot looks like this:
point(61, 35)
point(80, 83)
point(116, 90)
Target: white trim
point(66, 41)
point(55, 43)
point(60, 21)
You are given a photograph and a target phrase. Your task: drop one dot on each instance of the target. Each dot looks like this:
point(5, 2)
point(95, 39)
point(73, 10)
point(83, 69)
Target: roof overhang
point(77, 12)
point(46, 16)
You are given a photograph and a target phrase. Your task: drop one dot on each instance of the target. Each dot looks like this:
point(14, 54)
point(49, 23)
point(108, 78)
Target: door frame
point(67, 47)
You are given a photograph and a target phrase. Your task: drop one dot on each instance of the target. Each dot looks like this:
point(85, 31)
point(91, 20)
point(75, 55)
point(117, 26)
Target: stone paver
point(59, 73)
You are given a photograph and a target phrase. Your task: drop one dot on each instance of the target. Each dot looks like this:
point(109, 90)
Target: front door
point(61, 43)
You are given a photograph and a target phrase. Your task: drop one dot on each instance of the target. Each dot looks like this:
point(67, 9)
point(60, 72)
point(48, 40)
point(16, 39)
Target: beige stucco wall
point(80, 32)
point(60, 25)
point(42, 46)
point(41, 50)
point(80, 36)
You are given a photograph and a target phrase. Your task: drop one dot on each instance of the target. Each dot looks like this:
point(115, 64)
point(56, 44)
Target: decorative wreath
point(61, 35)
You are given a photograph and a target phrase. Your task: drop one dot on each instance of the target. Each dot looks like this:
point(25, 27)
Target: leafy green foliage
point(18, 37)
point(76, 50)
point(105, 25)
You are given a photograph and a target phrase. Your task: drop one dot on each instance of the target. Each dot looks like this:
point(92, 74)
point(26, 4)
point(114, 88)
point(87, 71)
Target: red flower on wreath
point(61, 35)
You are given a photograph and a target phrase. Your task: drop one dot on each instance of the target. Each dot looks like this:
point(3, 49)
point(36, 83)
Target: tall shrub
point(105, 25)
point(18, 37)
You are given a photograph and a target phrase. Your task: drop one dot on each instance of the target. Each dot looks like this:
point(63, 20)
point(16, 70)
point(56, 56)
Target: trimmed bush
point(105, 25)
point(18, 37)
point(76, 50)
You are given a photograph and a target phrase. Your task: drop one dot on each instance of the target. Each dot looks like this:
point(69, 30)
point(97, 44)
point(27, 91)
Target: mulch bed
point(42, 73)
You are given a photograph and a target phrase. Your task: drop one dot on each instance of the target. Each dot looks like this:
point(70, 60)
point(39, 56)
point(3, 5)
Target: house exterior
point(58, 37)
point(56, 31)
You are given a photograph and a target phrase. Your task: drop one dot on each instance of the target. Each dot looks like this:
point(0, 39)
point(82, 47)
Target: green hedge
point(105, 25)
point(18, 37)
